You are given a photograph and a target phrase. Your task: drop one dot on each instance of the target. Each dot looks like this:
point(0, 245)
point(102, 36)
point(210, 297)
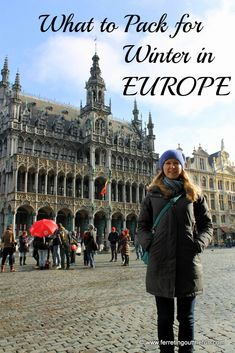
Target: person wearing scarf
point(174, 270)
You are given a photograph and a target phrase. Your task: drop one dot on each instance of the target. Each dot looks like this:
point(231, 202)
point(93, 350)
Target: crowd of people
point(59, 250)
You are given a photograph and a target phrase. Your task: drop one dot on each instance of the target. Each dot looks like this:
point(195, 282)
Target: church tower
point(15, 101)
point(151, 136)
point(95, 86)
point(4, 83)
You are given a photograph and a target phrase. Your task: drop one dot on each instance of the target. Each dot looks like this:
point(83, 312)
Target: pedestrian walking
point(35, 251)
point(64, 247)
point(174, 269)
point(9, 246)
point(90, 245)
point(42, 247)
point(138, 248)
point(124, 244)
point(56, 244)
point(113, 239)
point(23, 247)
point(73, 248)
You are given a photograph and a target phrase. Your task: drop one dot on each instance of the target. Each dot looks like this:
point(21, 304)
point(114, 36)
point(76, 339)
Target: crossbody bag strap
point(169, 204)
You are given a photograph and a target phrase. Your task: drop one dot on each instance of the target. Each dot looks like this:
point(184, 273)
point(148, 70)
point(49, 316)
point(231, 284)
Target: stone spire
point(151, 136)
point(5, 73)
point(16, 88)
point(150, 125)
point(136, 121)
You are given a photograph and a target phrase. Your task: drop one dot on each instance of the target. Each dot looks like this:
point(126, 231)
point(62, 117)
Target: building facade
point(76, 166)
point(215, 175)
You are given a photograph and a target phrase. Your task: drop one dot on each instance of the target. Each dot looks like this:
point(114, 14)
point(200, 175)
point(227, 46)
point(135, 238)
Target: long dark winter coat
point(174, 268)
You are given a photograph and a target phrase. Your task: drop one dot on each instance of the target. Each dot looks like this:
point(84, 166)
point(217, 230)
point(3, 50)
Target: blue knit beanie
point(175, 154)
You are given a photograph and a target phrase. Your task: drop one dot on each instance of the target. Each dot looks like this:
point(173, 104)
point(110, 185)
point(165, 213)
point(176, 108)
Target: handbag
point(13, 246)
point(94, 245)
point(173, 200)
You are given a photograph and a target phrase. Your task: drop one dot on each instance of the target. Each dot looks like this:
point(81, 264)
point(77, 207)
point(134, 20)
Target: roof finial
point(95, 40)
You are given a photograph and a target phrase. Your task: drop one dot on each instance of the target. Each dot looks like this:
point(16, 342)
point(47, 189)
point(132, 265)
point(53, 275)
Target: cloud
point(68, 59)
point(64, 61)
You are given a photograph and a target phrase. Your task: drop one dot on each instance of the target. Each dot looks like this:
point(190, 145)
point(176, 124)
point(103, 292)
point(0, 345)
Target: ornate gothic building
point(76, 166)
point(215, 174)
point(81, 166)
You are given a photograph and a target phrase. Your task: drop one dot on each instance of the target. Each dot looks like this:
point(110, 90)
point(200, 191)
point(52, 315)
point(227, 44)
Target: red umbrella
point(43, 228)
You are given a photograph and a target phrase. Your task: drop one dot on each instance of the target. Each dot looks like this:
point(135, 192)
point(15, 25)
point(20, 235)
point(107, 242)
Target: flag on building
point(104, 189)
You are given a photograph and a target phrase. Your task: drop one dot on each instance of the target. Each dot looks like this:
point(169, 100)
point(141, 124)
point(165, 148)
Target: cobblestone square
point(107, 309)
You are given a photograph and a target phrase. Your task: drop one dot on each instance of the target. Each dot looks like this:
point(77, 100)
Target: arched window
point(126, 164)
point(28, 146)
point(132, 165)
point(204, 182)
point(211, 183)
point(113, 162)
point(119, 163)
point(145, 167)
point(139, 169)
point(214, 219)
point(88, 127)
point(100, 127)
point(20, 145)
point(38, 148)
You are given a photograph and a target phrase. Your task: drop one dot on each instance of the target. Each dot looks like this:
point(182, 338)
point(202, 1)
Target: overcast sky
point(55, 65)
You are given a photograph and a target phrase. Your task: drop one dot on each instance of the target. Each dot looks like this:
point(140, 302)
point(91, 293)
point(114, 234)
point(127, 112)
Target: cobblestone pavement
point(106, 309)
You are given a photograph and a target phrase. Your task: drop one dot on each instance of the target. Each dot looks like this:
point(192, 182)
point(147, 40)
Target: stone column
point(36, 181)
point(116, 198)
point(82, 188)
point(15, 175)
point(137, 194)
point(91, 177)
point(74, 188)
point(26, 181)
point(46, 181)
point(123, 193)
point(55, 184)
point(64, 185)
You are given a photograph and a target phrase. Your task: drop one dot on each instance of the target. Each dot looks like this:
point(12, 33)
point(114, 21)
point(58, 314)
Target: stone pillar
point(15, 175)
point(130, 192)
point(26, 181)
point(137, 194)
point(91, 188)
point(14, 222)
point(82, 187)
point(91, 178)
point(64, 186)
point(6, 183)
point(36, 181)
point(46, 181)
point(73, 222)
point(55, 184)
point(123, 193)
point(74, 188)
point(116, 198)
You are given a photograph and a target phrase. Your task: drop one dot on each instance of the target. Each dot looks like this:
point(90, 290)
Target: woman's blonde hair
point(192, 190)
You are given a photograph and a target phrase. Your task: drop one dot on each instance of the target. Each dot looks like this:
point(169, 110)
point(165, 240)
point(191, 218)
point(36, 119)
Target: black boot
point(24, 260)
point(20, 260)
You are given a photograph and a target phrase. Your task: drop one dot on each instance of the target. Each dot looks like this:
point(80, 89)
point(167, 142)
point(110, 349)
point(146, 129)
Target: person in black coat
point(23, 247)
point(174, 269)
point(113, 238)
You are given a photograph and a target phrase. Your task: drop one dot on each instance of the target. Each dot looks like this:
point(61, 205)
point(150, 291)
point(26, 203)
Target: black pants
point(35, 256)
point(5, 253)
point(65, 253)
point(113, 251)
point(165, 321)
